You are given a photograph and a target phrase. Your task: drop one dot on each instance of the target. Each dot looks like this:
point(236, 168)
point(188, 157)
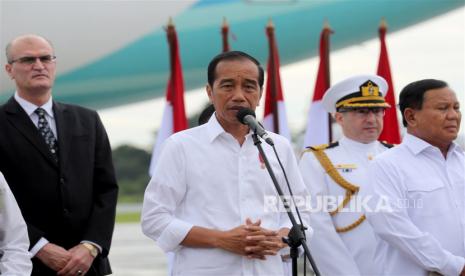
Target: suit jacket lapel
point(21, 121)
point(64, 124)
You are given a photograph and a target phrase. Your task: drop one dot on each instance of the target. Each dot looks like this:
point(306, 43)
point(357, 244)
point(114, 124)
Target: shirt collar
point(30, 107)
point(417, 145)
point(214, 129)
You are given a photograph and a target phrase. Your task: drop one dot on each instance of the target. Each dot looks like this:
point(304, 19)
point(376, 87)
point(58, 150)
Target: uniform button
point(62, 180)
point(65, 211)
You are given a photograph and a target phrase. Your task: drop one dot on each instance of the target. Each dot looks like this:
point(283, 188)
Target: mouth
point(236, 108)
point(451, 128)
point(370, 129)
point(40, 76)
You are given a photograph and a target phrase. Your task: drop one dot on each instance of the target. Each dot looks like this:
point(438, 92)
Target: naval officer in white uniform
point(344, 243)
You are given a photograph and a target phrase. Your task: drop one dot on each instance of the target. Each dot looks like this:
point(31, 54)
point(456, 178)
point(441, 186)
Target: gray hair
point(8, 47)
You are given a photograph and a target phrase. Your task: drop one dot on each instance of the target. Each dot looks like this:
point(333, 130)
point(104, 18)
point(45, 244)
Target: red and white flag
point(225, 35)
point(274, 118)
point(174, 115)
point(391, 131)
point(318, 129)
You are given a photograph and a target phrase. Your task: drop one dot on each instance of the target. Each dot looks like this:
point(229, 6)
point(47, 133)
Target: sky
point(431, 49)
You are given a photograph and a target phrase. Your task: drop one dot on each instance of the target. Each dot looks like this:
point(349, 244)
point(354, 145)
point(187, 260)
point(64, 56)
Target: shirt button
point(62, 180)
point(65, 211)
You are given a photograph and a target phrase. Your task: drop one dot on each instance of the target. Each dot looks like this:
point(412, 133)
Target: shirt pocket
point(424, 195)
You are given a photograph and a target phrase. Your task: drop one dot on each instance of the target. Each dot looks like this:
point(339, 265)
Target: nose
point(370, 116)
point(453, 114)
point(38, 64)
point(238, 95)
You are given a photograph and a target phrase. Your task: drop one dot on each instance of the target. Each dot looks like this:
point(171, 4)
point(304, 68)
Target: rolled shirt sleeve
point(173, 235)
point(165, 191)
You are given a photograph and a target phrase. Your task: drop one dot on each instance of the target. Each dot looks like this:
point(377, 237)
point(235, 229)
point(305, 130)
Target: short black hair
point(412, 95)
point(233, 55)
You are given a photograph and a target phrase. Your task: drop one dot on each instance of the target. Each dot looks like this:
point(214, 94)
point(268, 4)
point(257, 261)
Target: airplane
point(111, 53)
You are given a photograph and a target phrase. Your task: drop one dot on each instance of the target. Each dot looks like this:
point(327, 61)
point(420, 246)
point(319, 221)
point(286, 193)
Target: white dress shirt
point(29, 108)
point(351, 252)
point(14, 241)
point(205, 178)
point(424, 229)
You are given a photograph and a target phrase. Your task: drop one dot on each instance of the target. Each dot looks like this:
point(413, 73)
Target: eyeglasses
point(47, 59)
point(364, 112)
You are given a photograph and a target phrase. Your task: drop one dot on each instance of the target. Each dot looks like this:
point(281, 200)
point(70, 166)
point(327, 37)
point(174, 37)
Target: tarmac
point(133, 254)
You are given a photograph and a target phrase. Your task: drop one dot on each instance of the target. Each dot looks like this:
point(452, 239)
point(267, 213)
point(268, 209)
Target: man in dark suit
point(57, 160)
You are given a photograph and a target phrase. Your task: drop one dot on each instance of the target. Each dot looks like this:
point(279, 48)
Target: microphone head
point(244, 112)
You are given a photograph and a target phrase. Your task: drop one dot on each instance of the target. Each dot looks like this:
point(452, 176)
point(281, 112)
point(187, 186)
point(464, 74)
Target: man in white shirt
point(14, 242)
point(422, 181)
point(209, 198)
point(344, 243)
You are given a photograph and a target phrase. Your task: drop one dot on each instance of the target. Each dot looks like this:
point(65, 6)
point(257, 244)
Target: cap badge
point(369, 88)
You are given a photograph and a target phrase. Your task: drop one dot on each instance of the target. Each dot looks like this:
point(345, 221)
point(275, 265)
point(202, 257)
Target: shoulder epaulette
point(386, 144)
point(330, 169)
point(324, 146)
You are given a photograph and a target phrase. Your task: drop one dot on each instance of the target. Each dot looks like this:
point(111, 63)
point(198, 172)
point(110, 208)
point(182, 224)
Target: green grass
point(130, 198)
point(128, 217)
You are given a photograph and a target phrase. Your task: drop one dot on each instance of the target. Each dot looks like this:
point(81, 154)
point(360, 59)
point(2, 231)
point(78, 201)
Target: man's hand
point(249, 239)
point(272, 243)
point(53, 256)
point(80, 260)
point(252, 240)
point(265, 242)
point(235, 240)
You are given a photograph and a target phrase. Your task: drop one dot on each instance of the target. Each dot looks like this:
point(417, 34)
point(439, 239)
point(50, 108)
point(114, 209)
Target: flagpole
point(326, 33)
point(170, 37)
point(224, 34)
point(391, 130)
point(174, 116)
point(272, 60)
point(319, 121)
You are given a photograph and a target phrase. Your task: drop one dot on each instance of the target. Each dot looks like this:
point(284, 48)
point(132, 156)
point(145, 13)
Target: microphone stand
point(296, 236)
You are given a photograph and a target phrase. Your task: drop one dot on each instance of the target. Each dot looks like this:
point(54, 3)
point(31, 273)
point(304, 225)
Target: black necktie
point(47, 133)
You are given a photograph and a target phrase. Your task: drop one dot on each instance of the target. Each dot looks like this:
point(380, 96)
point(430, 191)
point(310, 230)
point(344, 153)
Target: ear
point(339, 118)
point(8, 69)
point(209, 92)
point(409, 115)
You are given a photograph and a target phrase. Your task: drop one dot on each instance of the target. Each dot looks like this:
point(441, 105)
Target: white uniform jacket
point(340, 253)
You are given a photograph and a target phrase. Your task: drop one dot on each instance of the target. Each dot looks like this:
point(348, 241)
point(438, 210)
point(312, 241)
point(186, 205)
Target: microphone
point(247, 117)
